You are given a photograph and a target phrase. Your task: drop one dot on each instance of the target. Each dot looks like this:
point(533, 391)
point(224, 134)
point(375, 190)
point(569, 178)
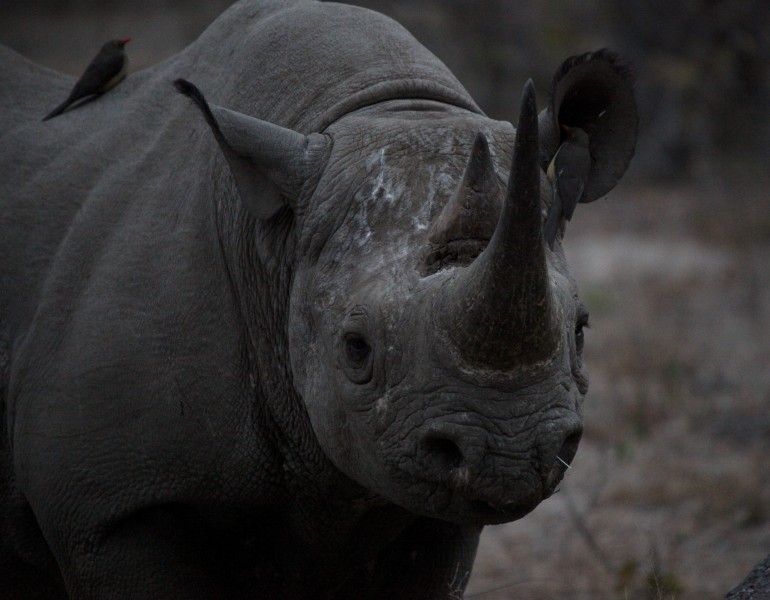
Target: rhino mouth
point(451, 484)
point(494, 514)
point(482, 499)
point(468, 508)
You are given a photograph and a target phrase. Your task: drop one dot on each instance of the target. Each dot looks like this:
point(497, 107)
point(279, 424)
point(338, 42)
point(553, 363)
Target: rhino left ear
point(269, 163)
point(594, 92)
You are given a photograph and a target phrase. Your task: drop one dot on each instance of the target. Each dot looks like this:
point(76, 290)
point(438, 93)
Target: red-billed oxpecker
point(568, 172)
point(104, 72)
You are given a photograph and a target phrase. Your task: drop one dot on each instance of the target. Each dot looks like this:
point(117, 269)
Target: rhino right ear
point(269, 163)
point(593, 91)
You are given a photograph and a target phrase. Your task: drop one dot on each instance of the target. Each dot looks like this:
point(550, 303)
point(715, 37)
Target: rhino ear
point(269, 163)
point(594, 92)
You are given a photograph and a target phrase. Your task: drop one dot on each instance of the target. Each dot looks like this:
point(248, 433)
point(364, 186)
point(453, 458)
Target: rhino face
point(403, 395)
point(434, 338)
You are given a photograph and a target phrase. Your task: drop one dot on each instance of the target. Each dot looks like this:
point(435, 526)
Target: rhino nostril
point(569, 448)
point(442, 451)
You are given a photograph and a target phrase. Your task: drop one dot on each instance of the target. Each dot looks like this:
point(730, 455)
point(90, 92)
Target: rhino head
point(435, 340)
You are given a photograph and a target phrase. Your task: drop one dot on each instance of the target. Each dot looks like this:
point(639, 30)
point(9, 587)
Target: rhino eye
point(356, 348)
point(355, 354)
point(580, 338)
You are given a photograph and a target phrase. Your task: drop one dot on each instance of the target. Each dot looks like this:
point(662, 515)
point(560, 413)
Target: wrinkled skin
point(222, 379)
point(376, 419)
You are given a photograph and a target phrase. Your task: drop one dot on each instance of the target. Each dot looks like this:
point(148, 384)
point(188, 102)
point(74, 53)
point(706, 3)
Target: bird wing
point(99, 71)
point(570, 185)
point(570, 189)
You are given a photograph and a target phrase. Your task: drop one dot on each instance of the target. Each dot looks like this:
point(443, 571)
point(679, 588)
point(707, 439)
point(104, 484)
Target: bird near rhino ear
point(592, 92)
point(270, 164)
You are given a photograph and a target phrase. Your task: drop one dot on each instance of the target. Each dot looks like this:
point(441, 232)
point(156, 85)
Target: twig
point(588, 537)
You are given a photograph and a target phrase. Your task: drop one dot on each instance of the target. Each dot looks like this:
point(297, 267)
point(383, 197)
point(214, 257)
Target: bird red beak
point(125, 40)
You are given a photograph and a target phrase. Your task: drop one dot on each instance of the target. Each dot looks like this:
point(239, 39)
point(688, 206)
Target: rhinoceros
point(293, 333)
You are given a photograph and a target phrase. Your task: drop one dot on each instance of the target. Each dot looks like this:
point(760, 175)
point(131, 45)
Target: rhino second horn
point(498, 311)
point(473, 210)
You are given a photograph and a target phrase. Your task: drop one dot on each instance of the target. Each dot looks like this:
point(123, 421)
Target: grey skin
point(107, 69)
point(305, 348)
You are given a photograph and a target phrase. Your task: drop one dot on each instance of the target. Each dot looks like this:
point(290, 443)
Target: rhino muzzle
point(497, 311)
point(480, 469)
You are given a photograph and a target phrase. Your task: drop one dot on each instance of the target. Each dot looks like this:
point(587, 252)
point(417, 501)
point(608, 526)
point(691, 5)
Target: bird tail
point(58, 110)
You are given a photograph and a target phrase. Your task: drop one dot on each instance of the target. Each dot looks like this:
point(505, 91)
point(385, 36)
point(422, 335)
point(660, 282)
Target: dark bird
point(104, 72)
point(568, 173)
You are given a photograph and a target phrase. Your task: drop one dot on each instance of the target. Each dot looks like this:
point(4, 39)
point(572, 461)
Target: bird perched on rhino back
point(107, 69)
point(568, 172)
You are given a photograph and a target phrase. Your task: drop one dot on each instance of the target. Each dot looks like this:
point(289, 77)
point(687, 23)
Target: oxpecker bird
point(568, 173)
point(104, 72)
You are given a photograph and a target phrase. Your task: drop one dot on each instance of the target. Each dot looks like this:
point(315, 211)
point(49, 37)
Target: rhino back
point(298, 63)
point(303, 64)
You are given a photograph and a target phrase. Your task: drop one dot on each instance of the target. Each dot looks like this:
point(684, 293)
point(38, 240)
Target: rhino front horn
point(498, 311)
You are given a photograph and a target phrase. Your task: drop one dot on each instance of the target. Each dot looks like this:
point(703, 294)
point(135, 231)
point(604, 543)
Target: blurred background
point(669, 496)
